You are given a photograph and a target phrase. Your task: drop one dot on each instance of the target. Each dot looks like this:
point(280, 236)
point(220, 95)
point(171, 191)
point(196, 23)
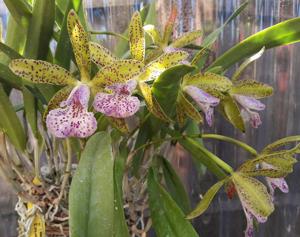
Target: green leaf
point(232, 112)
point(10, 123)
point(284, 33)
point(40, 29)
point(91, 199)
point(7, 77)
point(251, 88)
point(19, 9)
point(137, 37)
point(30, 106)
point(175, 186)
point(11, 53)
point(206, 200)
point(167, 86)
point(167, 218)
point(120, 226)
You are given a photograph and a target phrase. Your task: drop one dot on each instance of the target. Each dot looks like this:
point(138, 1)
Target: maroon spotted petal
point(74, 120)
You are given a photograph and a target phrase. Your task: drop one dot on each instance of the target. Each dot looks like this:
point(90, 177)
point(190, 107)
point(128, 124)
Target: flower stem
point(243, 145)
point(109, 33)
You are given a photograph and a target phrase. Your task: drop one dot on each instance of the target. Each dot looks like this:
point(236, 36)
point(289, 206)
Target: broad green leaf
point(275, 145)
point(80, 43)
point(186, 107)
point(209, 82)
point(151, 102)
point(186, 39)
point(30, 106)
point(38, 71)
point(251, 88)
point(283, 33)
point(167, 218)
point(175, 186)
point(206, 200)
point(9, 78)
point(159, 65)
point(20, 10)
point(137, 37)
point(10, 123)
point(91, 198)
point(118, 72)
point(55, 101)
point(232, 112)
point(40, 30)
point(153, 33)
point(253, 195)
point(11, 53)
point(245, 64)
point(120, 226)
point(170, 25)
point(100, 55)
point(119, 123)
point(166, 87)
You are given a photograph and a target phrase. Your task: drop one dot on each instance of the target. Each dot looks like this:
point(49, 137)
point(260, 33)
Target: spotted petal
point(137, 37)
point(100, 55)
point(38, 71)
point(255, 199)
point(80, 42)
point(119, 72)
point(116, 105)
point(204, 100)
point(73, 120)
point(158, 66)
point(280, 183)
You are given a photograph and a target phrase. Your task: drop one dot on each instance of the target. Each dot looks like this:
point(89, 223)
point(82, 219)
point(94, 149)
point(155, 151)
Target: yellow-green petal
point(80, 43)
point(232, 112)
point(253, 195)
point(183, 106)
point(206, 200)
point(100, 55)
point(152, 104)
point(137, 37)
point(153, 33)
point(251, 88)
point(38, 71)
point(165, 61)
point(118, 72)
point(186, 39)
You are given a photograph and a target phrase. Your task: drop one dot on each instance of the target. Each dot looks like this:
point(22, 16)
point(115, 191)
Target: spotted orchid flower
point(73, 118)
point(256, 201)
point(246, 93)
point(119, 103)
point(67, 113)
point(204, 100)
point(249, 106)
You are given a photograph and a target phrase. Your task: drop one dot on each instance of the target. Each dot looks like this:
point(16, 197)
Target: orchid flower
point(246, 93)
point(68, 116)
point(248, 105)
point(120, 103)
point(204, 100)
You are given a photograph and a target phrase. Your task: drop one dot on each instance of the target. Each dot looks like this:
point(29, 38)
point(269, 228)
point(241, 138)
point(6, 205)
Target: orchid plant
point(86, 157)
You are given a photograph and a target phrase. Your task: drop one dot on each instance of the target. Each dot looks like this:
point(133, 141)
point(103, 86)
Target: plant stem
point(109, 33)
point(243, 145)
point(67, 172)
